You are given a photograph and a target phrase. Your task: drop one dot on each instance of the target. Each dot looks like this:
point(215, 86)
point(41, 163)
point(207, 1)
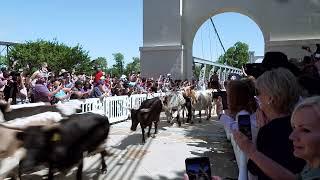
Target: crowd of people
point(283, 104)
point(282, 100)
point(45, 86)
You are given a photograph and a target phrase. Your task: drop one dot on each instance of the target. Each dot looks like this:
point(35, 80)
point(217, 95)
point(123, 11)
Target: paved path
point(161, 157)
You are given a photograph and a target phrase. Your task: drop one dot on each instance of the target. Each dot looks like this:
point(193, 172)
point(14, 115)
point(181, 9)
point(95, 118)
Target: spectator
point(98, 75)
point(42, 72)
point(41, 92)
point(62, 94)
point(98, 90)
point(278, 93)
point(240, 96)
point(274, 60)
point(78, 91)
point(306, 140)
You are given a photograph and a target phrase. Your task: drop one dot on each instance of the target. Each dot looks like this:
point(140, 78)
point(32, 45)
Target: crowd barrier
point(116, 108)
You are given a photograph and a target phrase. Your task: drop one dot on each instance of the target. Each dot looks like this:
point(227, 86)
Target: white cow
point(173, 104)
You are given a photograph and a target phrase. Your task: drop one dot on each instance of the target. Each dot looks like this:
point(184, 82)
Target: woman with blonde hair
point(278, 93)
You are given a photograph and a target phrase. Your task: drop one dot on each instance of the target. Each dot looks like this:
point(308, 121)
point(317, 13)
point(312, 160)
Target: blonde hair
point(282, 86)
point(312, 102)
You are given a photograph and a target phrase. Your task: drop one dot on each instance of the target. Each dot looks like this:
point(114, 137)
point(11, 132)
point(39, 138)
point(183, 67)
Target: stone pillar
point(162, 50)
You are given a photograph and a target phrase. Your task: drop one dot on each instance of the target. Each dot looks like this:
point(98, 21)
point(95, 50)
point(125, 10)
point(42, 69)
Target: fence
point(116, 108)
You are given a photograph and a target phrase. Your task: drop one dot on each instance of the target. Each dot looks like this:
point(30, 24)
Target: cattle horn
point(145, 110)
point(13, 128)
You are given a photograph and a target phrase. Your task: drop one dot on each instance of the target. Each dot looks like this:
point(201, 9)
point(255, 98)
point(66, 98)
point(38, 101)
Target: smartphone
point(245, 125)
point(198, 168)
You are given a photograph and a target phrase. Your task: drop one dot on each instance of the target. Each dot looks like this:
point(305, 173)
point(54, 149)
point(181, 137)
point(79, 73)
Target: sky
point(104, 27)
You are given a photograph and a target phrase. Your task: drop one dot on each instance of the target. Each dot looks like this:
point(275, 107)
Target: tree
point(118, 67)
point(133, 66)
point(197, 70)
point(101, 62)
point(57, 55)
point(3, 61)
point(236, 56)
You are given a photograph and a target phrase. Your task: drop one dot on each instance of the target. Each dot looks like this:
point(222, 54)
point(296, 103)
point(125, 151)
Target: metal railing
point(116, 108)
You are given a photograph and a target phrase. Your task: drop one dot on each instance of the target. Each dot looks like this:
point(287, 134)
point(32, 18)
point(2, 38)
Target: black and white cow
point(64, 145)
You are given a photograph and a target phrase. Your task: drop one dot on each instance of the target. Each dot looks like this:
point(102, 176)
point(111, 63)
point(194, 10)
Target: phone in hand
point(245, 125)
point(198, 168)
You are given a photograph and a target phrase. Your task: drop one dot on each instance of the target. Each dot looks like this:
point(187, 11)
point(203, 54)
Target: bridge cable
point(210, 42)
point(202, 43)
point(215, 29)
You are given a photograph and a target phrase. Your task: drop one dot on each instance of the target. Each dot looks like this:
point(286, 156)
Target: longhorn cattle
point(62, 146)
point(10, 147)
point(148, 113)
point(8, 112)
point(174, 103)
point(201, 100)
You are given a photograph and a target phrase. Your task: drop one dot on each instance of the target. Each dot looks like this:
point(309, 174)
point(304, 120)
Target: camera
point(244, 124)
point(198, 168)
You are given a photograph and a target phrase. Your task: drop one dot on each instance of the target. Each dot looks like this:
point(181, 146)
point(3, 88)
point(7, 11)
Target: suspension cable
point(215, 29)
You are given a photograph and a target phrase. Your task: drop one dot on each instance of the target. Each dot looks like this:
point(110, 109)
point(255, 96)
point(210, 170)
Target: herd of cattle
point(59, 138)
point(173, 104)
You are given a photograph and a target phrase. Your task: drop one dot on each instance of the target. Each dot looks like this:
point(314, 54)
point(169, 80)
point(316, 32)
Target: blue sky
point(232, 27)
point(105, 27)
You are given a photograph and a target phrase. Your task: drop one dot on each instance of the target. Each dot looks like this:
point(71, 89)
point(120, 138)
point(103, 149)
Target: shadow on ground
point(210, 134)
point(179, 176)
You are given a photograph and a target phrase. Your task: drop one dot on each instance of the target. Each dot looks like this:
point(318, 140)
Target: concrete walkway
point(161, 157)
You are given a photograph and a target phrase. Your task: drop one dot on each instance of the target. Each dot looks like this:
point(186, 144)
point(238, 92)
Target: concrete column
point(162, 50)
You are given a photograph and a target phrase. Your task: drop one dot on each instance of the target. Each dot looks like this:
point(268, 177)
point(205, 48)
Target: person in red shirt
point(98, 75)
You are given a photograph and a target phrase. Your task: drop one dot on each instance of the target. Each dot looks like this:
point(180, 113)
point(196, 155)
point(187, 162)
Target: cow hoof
point(103, 171)
point(179, 123)
point(153, 136)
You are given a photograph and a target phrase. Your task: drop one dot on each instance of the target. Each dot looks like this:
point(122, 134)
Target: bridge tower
point(169, 28)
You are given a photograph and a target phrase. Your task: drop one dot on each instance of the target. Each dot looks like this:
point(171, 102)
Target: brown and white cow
point(201, 100)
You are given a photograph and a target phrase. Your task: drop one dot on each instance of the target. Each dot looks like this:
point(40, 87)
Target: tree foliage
point(118, 67)
point(100, 62)
point(134, 66)
point(3, 61)
point(236, 56)
point(57, 55)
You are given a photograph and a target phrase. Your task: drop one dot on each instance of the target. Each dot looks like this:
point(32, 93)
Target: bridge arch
point(201, 39)
point(169, 27)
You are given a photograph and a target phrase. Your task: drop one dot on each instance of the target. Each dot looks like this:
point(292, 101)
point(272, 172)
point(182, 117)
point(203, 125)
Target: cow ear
point(20, 135)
